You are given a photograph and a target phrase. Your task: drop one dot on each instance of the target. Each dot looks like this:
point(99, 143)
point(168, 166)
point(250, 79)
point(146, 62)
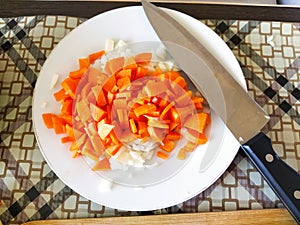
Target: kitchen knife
point(241, 114)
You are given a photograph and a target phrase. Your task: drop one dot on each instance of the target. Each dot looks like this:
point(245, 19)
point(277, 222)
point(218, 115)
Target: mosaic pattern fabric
point(269, 55)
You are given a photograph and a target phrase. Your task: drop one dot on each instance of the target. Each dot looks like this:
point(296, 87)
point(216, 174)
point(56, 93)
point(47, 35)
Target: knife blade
point(241, 114)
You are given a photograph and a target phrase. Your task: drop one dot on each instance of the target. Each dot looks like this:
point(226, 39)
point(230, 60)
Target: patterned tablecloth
point(269, 55)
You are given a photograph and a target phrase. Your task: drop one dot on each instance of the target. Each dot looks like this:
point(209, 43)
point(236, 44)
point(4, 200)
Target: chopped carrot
point(154, 113)
point(132, 126)
point(143, 129)
point(158, 123)
point(173, 136)
point(157, 72)
point(114, 138)
point(119, 104)
point(84, 91)
point(144, 109)
point(195, 137)
point(79, 135)
point(66, 139)
point(74, 146)
point(108, 115)
point(83, 111)
point(166, 110)
point(126, 136)
point(84, 63)
point(101, 99)
point(155, 88)
point(179, 81)
point(167, 145)
point(183, 100)
point(196, 99)
point(174, 125)
point(183, 112)
point(140, 72)
point(103, 164)
point(96, 55)
point(172, 75)
point(104, 130)
point(69, 131)
point(67, 105)
point(197, 122)
point(190, 146)
point(174, 115)
point(109, 84)
point(198, 106)
point(123, 83)
point(88, 150)
point(76, 153)
point(95, 76)
point(76, 74)
point(60, 95)
point(192, 122)
point(113, 149)
point(122, 116)
point(181, 155)
point(130, 63)
point(96, 112)
point(68, 118)
point(124, 73)
point(114, 65)
point(58, 124)
point(162, 155)
point(163, 103)
point(203, 121)
point(47, 118)
point(70, 85)
point(143, 58)
point(202, 139)
point(97, 144)
point(157, 134)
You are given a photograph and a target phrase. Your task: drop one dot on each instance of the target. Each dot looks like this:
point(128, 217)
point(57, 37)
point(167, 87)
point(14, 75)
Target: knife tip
point(145, 3)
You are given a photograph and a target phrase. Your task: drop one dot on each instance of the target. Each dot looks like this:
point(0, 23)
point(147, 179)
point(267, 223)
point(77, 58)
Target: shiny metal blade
point(242, 115)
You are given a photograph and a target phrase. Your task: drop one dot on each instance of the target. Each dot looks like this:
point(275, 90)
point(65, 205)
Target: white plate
point(129, 24)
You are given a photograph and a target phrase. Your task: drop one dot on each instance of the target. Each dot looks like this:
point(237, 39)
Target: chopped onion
point(109, 45)
point(44, 105)
point(54, 81)
point(120, 44)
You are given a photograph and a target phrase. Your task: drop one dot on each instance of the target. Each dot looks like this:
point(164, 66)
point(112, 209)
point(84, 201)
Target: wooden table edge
point(263, 216)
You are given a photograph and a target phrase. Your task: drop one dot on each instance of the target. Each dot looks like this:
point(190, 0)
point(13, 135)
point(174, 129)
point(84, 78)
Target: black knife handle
point(283, 179)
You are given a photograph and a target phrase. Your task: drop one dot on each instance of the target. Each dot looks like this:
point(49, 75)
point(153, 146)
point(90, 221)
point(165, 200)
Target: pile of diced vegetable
point(105, 111)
